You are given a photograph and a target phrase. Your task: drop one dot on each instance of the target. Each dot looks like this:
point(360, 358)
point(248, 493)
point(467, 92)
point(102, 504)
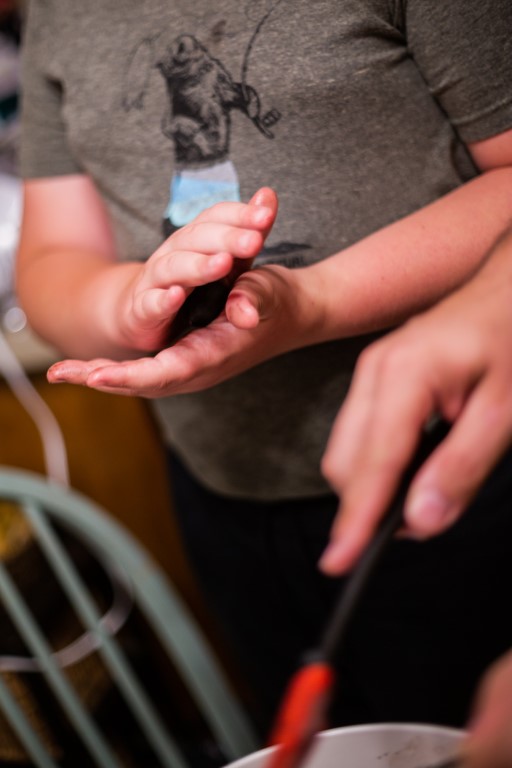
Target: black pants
point(436, 615)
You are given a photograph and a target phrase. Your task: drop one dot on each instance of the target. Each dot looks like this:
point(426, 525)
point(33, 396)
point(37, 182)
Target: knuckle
point(399, 359)
point(328, 469)
point(333, 470)
point(196, 228)
point(213, 212)
point(371, 354)
point(369, 361)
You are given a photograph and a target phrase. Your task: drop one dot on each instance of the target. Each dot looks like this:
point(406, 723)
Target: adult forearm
point(410, 264)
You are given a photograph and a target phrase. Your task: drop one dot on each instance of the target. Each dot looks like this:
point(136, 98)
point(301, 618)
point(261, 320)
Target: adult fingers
point(258, 295)
point(200, 360)
point(490, 735)
point(75, 371)
point(449, 479)
point(144, 376)
point(371, 444)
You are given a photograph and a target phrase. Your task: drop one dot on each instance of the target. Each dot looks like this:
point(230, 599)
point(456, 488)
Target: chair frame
point(42, 501)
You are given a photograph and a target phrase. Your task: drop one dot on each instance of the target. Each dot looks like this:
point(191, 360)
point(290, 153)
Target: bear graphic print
point(202, 94)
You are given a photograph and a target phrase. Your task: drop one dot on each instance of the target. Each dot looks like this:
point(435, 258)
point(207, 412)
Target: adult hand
point(490, 740)
point(262, 301)
point(453, 360)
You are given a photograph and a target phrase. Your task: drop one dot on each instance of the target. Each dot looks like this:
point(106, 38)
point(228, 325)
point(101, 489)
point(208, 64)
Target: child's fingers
point(264, 196)
point(241, 215)
point(213, 237)
point(186, 268)
point(157, 306)
point(267, 198)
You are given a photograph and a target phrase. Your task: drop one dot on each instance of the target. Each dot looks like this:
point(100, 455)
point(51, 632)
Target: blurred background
point(114, 450)
point(110, 445)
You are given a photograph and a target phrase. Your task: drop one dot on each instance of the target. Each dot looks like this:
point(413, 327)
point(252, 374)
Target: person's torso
point(171, 106)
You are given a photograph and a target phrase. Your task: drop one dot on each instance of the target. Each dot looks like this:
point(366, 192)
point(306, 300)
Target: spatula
point(304, 708)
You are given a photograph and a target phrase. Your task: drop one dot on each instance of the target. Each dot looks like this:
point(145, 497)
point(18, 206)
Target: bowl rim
point(362, 728)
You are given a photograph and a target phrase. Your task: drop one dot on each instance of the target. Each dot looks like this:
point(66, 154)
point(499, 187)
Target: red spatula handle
point(302, 714)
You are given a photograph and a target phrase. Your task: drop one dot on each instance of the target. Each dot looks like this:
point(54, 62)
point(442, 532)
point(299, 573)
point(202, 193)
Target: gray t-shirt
point(355, 112)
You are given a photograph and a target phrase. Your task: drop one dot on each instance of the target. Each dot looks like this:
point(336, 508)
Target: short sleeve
point(44, 150)
point(463, 49)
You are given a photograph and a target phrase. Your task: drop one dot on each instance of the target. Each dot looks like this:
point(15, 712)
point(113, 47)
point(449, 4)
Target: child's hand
point(199, 253)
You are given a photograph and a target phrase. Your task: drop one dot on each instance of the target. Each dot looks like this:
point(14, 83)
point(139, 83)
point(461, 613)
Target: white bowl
point(387, 745)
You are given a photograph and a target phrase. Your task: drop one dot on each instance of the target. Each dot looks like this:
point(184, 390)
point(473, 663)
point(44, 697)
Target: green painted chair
point(50, 509)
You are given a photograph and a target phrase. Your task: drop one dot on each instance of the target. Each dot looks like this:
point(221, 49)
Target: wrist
point(109, 293)
point(306, 294)
point(291, 302)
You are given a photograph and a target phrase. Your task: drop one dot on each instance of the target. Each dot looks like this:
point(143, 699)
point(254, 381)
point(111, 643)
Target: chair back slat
point(34, 748)
point(113, 657)
point(157, 600)
point(63, 691)
point(176, 631)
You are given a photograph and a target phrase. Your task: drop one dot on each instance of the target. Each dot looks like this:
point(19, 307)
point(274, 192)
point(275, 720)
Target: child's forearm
point(82, 295)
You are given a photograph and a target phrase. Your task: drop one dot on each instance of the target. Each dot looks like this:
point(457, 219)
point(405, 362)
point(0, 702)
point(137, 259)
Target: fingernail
point(54, 374)
point(428, 509)
point(261, 214)
point(245, 306)
point(258, 198)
